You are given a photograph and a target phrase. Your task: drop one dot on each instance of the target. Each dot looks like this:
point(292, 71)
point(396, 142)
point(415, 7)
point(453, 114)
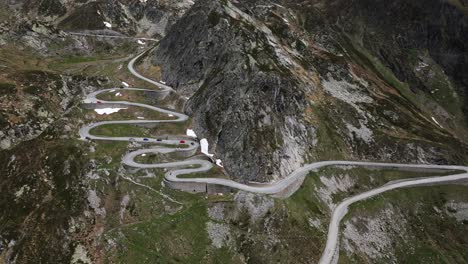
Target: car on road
point(145, 139)
point(159, 140)
point(182, 142)
point(88, 138)
point(99, 102)
point(192, 143)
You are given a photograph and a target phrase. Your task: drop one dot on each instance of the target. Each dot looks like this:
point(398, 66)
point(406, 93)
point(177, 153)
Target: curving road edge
point(191, 146)
point(331, 250)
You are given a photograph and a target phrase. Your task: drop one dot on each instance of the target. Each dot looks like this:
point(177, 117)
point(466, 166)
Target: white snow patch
point(107, 24)
point(204, 147)
point(107, 111)
point(125, 84)
point(435, 121)
point(191, 133)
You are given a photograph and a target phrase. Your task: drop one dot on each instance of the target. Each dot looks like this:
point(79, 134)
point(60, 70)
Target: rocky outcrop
point(242, 99)
point(149, 17)
point(41, 193)
point(275, 86)
point(45, 97)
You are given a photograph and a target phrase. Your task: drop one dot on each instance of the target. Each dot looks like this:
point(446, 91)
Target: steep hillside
point(274, 86)
point(45, 211)
point(151, 17)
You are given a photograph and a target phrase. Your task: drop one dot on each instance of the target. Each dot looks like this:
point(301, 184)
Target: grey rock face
point(275, 86)
point(46, 99)
point(242, 102)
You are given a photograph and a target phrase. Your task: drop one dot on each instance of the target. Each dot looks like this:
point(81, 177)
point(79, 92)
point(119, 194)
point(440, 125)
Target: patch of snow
point(435, 121)
point(107, 24)
point(107, 111)
point(125, 84)
point(191, 133)
point(204, 147)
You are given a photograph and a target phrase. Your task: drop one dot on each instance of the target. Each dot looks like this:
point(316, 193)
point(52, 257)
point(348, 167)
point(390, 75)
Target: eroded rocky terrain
point(276, 85)
point(272, 85)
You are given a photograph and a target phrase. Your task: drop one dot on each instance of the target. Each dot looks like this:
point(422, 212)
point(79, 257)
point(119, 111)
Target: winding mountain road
point(191, 166)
